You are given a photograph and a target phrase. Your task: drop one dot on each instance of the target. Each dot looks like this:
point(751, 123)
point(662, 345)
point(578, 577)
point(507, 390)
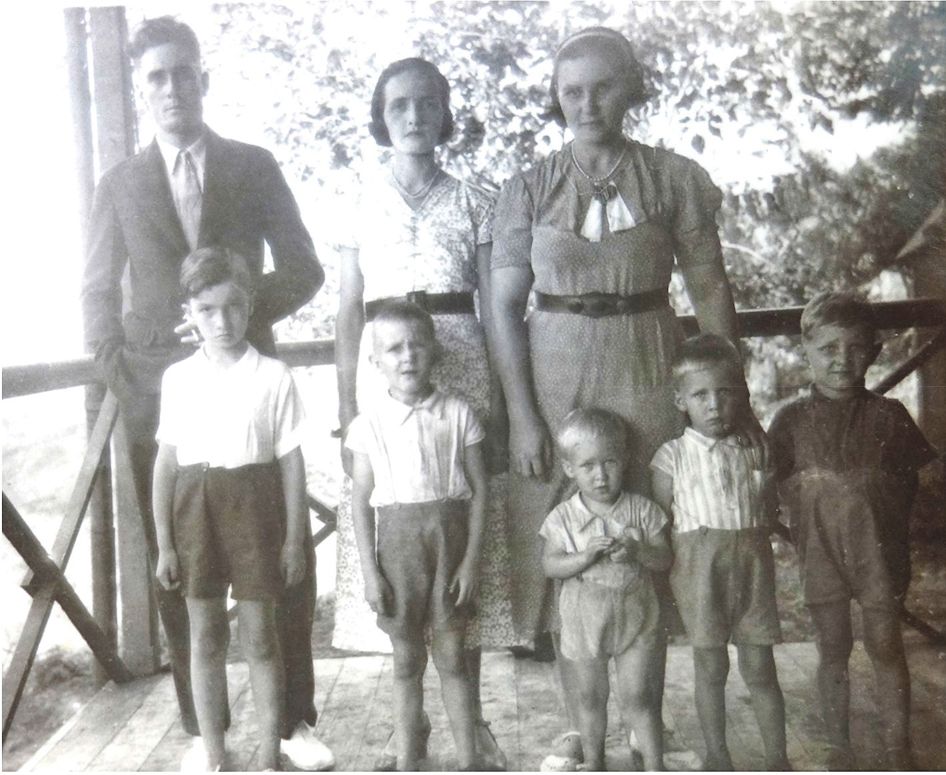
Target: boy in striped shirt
point(717, 493)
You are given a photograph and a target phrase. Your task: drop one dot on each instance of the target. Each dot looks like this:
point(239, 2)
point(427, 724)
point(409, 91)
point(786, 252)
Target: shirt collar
point(197, 149)
point(248, 361)
point(583, 517)
point(709, 443)
point(400, 411)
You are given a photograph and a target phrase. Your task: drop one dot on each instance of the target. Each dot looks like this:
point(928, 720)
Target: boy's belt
point(434, 303)
point(599, 305)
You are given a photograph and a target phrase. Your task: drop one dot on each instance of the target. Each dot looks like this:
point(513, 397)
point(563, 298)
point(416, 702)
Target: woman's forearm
point(711, 296)
point(349, 324)
point(510, 340)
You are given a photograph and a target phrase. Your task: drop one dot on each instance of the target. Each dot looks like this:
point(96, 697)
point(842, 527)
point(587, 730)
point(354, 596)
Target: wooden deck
point(135, 727)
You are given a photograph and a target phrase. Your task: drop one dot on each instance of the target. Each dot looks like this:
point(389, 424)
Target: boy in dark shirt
point(847, 462)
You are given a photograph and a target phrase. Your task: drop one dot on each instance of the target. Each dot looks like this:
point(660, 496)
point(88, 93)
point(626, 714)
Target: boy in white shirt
point(602, 543)
point(723, 576)
point(229, 496)
point(418, 461)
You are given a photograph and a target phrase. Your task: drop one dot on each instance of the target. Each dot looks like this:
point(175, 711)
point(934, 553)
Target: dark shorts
point(420, 547)
point(724, 585)
point(228, 526)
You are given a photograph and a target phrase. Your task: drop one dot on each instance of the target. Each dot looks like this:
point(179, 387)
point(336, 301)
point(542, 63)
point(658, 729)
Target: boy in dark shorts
point(229, 497)
point(723, 575)
point(418, 460)
point(847, 462)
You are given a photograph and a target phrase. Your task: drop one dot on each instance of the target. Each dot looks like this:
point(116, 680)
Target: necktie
point(187, 196)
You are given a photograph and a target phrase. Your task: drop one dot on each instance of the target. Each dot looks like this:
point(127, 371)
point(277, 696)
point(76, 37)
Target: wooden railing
point(46, 582)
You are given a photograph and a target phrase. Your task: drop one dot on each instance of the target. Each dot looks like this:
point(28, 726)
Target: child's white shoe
point(566, 756)
point(195, 758)
point(305, 751)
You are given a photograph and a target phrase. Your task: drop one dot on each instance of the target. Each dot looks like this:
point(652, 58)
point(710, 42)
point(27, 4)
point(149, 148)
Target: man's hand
point(292, 563)
point(168, 570)
point(188, 330)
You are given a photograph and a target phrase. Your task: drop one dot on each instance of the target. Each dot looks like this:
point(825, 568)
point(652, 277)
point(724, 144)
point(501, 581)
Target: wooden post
point(101, 522)
point(115, 137)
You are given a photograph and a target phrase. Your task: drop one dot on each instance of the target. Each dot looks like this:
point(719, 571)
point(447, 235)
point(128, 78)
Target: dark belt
point(599, 305)
point(434, 303)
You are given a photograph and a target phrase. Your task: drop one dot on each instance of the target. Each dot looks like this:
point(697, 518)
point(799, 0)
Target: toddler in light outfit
point(418, 465)
point(718, 493)
point(602, 543)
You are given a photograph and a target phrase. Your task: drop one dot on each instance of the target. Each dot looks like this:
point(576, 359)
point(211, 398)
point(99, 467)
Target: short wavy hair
point(158, 32)
point(597, 40)
point(838, 308)
point(210, 266)
point(591, 423)
point(377, 127)
point(704, 350)
point(406, 313)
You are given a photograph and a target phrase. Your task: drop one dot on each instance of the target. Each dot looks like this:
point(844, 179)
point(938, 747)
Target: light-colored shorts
point(600, 622)
point(724, 585)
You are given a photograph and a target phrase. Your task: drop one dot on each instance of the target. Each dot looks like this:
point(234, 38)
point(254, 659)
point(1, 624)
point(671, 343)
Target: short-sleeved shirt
point(571, 525)
point(230, 416)
point(717, 483)
point(416, 452)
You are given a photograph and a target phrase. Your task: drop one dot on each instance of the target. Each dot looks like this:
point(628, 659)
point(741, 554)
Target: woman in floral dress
point(425, 236)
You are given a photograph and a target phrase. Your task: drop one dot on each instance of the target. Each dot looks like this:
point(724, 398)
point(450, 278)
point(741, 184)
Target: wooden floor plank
point(136, 726)
point(132, 746)
point(346, 713)
point(498, 697)
point(101, 720)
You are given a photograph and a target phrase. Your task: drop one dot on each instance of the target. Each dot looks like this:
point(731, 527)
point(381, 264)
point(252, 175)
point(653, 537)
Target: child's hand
point(168, 570)
point(465, 582)
point(378, 594)
point(598, 546)
point(624, 550)
point(292, 564)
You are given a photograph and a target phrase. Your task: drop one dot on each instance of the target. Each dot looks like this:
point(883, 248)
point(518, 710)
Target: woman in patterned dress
point(426, 236)
point(594, 230)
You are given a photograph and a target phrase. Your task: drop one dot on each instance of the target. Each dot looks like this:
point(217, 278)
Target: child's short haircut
point(837, 308)
point(592, 422)
point(704, 350)
point(406, 312)
point(206, 267)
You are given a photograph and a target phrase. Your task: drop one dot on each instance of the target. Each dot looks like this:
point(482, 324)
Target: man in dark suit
point(191, 188)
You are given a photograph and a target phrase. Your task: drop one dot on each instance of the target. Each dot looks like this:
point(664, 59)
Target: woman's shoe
point(490, 756)
point(387, 761)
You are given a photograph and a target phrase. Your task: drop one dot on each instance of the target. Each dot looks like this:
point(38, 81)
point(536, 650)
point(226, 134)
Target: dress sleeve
point(483, 209)
point(289, 426)
point(512, 225)
point(696, 202)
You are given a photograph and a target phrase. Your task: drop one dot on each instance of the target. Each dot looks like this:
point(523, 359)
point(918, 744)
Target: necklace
point(602, 188)
point(421, 192)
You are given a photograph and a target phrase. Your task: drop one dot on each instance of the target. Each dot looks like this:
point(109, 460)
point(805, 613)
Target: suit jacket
point(133, 223)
